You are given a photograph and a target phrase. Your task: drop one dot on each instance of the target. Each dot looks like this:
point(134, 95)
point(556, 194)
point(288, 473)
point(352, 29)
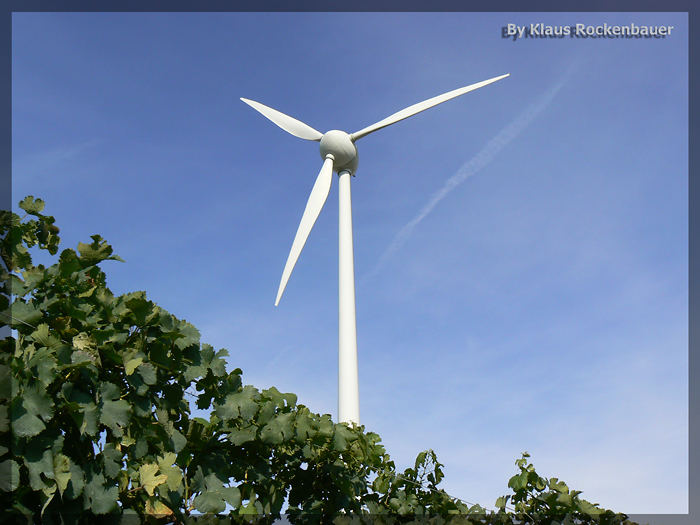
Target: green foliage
point(539, 500)
point(96, 419)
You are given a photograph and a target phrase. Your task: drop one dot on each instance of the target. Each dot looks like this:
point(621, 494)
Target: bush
point(97, 423)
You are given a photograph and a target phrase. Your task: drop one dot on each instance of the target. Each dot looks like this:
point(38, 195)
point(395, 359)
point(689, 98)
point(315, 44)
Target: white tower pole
point(348, 387)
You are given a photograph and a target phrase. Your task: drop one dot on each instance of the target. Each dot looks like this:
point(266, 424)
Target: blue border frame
point(687, 6)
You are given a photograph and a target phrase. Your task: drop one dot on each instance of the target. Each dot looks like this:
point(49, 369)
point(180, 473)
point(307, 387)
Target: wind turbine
point(339, 154)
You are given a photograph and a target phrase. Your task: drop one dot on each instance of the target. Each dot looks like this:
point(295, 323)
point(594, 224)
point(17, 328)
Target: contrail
point(473, 166)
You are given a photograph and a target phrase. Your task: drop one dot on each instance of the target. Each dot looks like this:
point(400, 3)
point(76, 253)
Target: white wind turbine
point(340, 155)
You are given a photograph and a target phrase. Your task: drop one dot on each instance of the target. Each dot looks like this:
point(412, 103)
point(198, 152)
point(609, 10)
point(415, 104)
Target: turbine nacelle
point(340, 145)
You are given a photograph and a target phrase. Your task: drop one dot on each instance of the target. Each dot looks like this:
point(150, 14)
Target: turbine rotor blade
point(317, 198)
point(287, 123)
point(421, 106)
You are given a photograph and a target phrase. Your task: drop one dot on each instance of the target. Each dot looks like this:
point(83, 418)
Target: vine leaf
point(98, 250)
point(148, 478)
point(147, 373)
point(24, 423)
point(131, 364)
point(24, 314)
point(39, 463)
point(215, 495)
point(241, 404)
point(31, 205)
point(114, 412)
point(101, 499)
point(76, 483)
point(173, 473)
point(189, 336)
point(86, 349)
point(157, 508)
point(278, 429)
point(343, 435)
point(61, 471)
point(589, 508)
point(238, 436)
point(9, 475)
point(36, 402)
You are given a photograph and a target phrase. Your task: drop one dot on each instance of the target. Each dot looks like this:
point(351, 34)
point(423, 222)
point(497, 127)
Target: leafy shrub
point(96, 419)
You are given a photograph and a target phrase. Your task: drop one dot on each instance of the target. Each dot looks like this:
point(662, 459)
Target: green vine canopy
point(97, 419)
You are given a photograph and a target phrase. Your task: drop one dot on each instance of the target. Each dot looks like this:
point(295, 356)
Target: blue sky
point(520, 252)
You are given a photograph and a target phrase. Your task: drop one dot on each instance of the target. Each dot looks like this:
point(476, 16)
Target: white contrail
point(473, 166)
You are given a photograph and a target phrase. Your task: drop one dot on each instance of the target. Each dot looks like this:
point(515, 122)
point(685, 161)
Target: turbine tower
point(339, 154)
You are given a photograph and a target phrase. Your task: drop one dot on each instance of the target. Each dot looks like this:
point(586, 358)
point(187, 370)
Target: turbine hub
point(339, 144)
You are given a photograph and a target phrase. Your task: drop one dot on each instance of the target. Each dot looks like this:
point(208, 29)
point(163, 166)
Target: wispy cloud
point(37, 164)
point(473, 166)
